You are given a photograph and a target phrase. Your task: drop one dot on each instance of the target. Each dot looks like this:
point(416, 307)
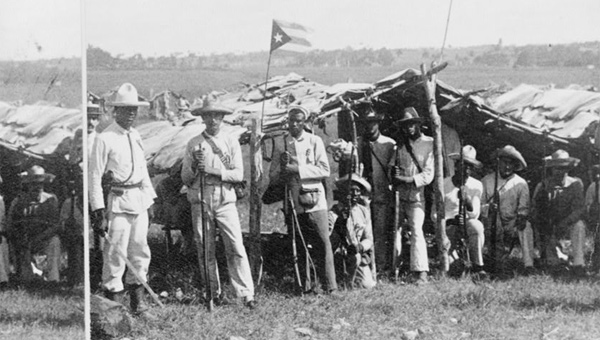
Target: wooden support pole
point(438, 181)
point(255, 203)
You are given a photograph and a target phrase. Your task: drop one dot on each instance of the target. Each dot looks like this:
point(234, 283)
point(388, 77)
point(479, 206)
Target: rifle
point(205, 243)
point(494, 212)
point(462, 211)
point(397, 227)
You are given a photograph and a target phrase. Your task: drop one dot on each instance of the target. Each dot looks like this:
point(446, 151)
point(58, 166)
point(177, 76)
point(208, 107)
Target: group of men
point(380, 199)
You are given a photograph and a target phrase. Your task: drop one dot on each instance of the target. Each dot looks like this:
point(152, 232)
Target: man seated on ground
point(352, 234)
point(33, 226)
point(462, 195)
point(558, 210)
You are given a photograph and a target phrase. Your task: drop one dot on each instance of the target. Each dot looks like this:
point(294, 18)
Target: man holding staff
point(211, 165)
point(118, 166)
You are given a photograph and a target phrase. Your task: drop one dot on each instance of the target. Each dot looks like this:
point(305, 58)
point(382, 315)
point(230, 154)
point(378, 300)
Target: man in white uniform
point(218, 157)
point(118, 166)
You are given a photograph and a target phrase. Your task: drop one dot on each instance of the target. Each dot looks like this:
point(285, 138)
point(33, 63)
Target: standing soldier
point(412, 170)
point(558, 211)
point(304, 165)
point(4, 255)
point(592, 205)
point(510, 206)
point(376, 152)
point(217, 157)
point(118, 166)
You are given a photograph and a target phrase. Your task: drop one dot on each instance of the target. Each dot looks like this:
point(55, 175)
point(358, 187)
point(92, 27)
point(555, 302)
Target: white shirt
point(423, 150)
point(121, 152)
point(473, 190)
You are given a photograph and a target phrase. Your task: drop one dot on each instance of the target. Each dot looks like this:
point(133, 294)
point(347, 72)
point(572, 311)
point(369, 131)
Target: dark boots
point(137, 302)
point(115, 296)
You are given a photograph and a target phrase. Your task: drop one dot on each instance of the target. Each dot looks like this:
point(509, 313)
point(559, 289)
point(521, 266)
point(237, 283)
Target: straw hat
point(209, 104)
point(127, 95)
point(356, 179)
point(296, 108)
point(469, 156)
point(37, 174)
point(509, 151)
point(561, 158)
point(409, 115)
point(93, 109)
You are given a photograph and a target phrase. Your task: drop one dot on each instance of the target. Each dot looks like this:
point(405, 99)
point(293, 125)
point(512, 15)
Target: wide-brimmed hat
point(509, 151)
point(469, 156)
point(409, 115)
point(561, 158)
point(356, 179)
point(209, 104)
point(127, 95)
point(37, 174)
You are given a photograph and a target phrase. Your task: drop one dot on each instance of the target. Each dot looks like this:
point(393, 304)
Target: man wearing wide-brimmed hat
point(511, 210)
point(217, 157)
point(412, 170)
point(376, 151)
point(351, 223)
point(32, 225)
point(462, 205)
point(118, 171)
point(558, 211)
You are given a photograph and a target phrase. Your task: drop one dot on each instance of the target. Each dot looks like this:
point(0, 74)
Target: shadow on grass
point(555, 304)
point(41, 318)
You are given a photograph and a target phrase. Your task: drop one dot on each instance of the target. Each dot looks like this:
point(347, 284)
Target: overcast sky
point(162, 27)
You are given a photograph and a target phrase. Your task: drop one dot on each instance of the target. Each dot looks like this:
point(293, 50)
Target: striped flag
point(289, 36)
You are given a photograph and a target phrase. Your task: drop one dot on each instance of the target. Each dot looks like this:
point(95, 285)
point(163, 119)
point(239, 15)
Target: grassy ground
point(41, 314)
point(510, 306)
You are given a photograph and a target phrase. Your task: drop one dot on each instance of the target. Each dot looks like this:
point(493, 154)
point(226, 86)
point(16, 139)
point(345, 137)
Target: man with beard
point(376, 151)
point(511, 210)
point(118, 165)
point(558, 210)
point(304, 165)
point(412, 170)
point(218, 157)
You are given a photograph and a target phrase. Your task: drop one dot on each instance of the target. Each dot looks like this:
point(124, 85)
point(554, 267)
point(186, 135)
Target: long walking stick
point(133, 270)
point(205, 243)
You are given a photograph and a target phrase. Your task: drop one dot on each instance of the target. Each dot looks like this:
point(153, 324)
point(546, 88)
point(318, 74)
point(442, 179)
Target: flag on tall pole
point(290, 34)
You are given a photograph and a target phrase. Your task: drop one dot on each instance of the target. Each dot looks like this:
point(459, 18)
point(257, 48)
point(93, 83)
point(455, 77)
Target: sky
point(165, 27)
point(40, 29)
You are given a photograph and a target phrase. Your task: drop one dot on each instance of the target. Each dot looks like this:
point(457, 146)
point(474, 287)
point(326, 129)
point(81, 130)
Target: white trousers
point(4, 260)
point(129, 233)
point(225, 216)
point(414, 215)
point(527, 248)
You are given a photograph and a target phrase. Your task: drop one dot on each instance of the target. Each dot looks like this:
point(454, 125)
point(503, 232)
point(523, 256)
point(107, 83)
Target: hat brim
point(570, 162)
point(370, 119)
point(45, 178)
point(409, 120)
point(203, 111)
point(472, 161)
point(514, 156)
point(358, 180)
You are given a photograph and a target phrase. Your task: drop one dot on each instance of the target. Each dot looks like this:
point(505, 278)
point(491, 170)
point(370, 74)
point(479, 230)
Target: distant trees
point(497, 55)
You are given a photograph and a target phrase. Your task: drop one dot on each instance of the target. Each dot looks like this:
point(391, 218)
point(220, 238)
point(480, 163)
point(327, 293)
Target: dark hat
point(209, 104)
point(37, 174)
point(469, 155)
point(93, 109)
point(366, 112)
point(356, 179)
point(509, 151)
point(560, 158)
point(409, 115)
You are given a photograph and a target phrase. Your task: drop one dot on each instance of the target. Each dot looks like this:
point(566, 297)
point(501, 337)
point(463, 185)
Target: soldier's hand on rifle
point(289, 163)
point(459, 220)
point(199, 160)
point(521, 222)
point(97, 217)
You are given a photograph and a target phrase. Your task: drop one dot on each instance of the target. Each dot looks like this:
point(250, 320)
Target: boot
point(115, 296)
point(138, 303)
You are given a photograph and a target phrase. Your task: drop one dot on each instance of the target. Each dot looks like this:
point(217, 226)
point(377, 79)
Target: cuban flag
point(290, 36)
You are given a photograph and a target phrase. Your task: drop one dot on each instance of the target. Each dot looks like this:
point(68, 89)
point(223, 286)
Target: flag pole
point(256, 173)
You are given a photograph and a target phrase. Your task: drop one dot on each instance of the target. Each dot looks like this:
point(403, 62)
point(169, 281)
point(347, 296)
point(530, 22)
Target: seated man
point(33, 225)
point(558, 211)
point(462, 201)
point(351, 223)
